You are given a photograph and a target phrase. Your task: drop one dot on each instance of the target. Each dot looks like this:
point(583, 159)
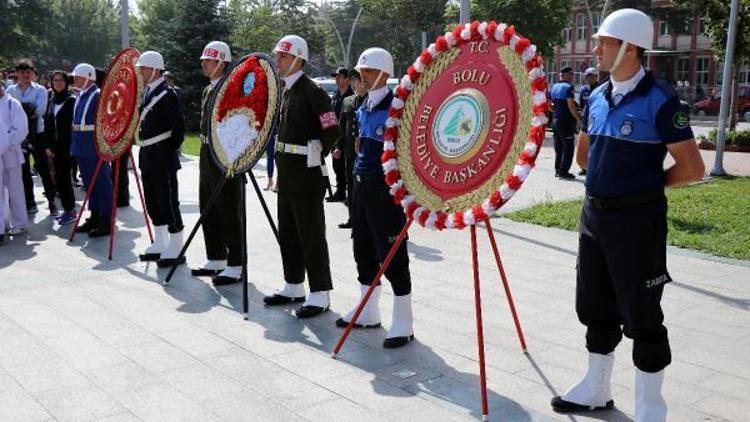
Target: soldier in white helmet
point(308, 129)
point(376, 219)
point(631, 122)
point(222, 226)
point(160, 134)
point(83, 147)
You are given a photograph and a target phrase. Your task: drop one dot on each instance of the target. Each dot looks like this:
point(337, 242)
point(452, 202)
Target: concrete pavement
point(86, 339)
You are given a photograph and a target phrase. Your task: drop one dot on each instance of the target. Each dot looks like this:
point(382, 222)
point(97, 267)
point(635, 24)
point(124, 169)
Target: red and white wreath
point(475, 31)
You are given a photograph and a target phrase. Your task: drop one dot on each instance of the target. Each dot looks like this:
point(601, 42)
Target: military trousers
point(222, 224)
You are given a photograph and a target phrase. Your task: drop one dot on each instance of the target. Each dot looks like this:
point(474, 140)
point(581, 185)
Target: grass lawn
point(711, 217)
point(192, 144)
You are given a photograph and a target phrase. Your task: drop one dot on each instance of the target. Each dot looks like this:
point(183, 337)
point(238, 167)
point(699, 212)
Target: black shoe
point(281, 300)
point(2, 239)
point(32, 210)
point(222, 280)
point(343, 324)
point(309, 311)
point(53, 209)
point(347, 225)
point(170, 262)
point(337, 197)
point(198, 272)
point(145, 257)
point(394, 342)
point(103, 229)
point(566, 176)
point(123, 204)
point(582, 172)
point(563, 406)
point(87, 226)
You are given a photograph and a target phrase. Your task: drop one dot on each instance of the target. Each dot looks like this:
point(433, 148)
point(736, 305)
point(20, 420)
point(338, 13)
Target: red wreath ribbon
point(234, 96)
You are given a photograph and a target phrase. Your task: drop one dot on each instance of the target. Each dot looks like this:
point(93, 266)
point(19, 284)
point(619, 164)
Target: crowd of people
point(628, 124)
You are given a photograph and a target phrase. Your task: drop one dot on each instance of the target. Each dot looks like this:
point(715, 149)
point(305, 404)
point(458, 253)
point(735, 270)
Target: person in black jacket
point(57, 125)
point(160, 135)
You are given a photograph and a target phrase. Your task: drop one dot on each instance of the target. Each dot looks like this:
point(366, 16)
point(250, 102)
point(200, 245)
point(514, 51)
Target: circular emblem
point(380, 130)
point(465, 126)
point(626, 128)
point(681, 120)
point(117, 110)
point(244, 106)
point(459, 123)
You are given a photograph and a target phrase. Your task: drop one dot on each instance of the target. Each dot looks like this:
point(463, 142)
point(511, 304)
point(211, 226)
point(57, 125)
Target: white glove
point(314, 152)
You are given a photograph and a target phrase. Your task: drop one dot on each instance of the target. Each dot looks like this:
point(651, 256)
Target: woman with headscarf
point(57, 122)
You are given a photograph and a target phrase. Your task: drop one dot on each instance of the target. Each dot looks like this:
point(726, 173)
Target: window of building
point(551, 72)
point(744, 73)
point(581, 27)
point(683, 69)
point(701, 71)
point(719, 74)
point(597, 20)
point(702, 26)
point(664, 28)
point(566, 34)
point(686, 26)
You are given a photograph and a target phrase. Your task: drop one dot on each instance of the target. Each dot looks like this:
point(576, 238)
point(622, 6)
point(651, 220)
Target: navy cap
point(566, 69)
point(341, 71)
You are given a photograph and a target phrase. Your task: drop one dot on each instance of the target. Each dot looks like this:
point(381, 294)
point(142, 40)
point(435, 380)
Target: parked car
point(710, 106)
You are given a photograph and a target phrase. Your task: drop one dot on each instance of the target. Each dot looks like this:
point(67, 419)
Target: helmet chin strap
point(377, 80)
point(291, 66)
point(618, 58)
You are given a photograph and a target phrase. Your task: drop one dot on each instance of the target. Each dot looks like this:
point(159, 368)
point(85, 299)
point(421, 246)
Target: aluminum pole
point(726, 85)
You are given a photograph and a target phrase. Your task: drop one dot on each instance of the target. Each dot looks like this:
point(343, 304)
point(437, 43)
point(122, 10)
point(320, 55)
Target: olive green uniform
point(346, 142)
point(306, 114)
point(222, 224)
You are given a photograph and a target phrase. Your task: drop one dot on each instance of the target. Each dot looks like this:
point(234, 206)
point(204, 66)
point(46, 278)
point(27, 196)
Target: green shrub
point(737, 137)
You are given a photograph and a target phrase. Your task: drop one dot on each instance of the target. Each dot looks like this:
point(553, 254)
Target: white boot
point(402, 325)
point(319, 299)
point(370, 316)
point(174, 246)
point(232, 272)
point(594, 390)
point(292, 290)
point(215, 264)
point(650, 405)
point(161, 237)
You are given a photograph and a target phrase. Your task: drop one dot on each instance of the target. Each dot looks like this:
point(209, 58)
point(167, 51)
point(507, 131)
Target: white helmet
point(628, 25)
point(294, 45)
point(151, 59)
point(591, 71)
point(217, 50)
point(375, 58)
point(85, 70)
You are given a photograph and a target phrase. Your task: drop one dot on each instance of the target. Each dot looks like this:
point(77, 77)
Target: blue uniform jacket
point(371, 132)
point(627, 141)
point(82, 142)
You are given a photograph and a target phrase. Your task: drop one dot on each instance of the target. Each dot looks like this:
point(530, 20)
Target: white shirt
point(16, 130)
point(152, 86)
point(375, 96)
point(623, 88)
point(290, 80)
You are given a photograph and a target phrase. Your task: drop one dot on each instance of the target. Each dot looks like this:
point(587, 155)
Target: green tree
point(152, 27)
point(543, 29)
point(24, 24)
point(256, 26)
point(195, 24)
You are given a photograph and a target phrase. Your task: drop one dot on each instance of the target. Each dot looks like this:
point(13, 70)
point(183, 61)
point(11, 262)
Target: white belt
point(291, 148)
point(83, 128)
point(156, 139)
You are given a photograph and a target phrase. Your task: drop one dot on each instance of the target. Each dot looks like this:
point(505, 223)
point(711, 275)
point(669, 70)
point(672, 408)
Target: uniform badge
point(626, 128)
point(681, 120)
point(380, 130)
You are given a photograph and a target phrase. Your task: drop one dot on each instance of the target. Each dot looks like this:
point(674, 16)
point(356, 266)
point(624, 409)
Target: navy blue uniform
point(83, 147)
point(376, 219)
point(622, 245)
point(563, 126)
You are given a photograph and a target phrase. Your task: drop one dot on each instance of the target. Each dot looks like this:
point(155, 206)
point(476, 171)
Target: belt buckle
point(358, 178)
point(294, 149)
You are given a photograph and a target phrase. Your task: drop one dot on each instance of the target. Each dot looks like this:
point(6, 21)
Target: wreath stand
point(477, 301)
point(116, 164)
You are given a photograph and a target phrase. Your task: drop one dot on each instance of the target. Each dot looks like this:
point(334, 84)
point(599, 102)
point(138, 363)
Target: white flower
point(505, 192)
point(539, 97)
point(483, 30)
point(529, 53)
point(522, 172)
point(392, 122)
point(530, 148)
point(431, 220)
point(236, 134)
point(389, 146)
point(432, 50)
point(469, 218)
point(407, 83)
point(397, 103)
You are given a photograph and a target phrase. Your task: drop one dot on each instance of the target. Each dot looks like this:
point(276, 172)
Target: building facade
point(682, 55)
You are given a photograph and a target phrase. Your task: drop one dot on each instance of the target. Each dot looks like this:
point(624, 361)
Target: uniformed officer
point(344, 90)
point(222, 225)
point(160, 134)
point(83, 147)
point(308, 129)
point(632, 121)
point(592, 80)
point(564, 122)
point(345, 146)
point(377, 221)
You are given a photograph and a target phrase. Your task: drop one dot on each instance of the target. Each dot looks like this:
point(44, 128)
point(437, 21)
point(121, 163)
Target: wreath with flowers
point(529, 75)
point(243, 113)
